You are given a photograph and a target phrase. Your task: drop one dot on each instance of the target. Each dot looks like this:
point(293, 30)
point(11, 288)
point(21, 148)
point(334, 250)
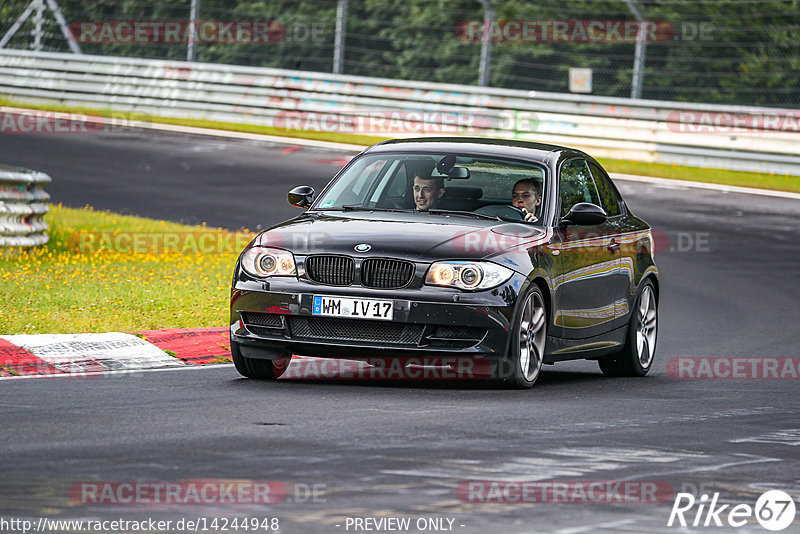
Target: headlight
point(467, 275)
point(263, 261)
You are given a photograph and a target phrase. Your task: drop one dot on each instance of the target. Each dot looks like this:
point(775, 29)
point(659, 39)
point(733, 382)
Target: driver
point(526, 197)
point(427, 191)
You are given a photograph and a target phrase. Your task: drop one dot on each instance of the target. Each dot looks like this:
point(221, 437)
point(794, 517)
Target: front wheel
point(636, 358)
point(258, 368)
point(526, 352)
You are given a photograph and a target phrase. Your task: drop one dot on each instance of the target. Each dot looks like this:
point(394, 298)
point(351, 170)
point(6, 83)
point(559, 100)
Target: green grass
point(778, 182)
point(90, 278)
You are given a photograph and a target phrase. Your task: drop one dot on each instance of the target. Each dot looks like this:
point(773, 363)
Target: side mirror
point(301, 196)
point(585, 214)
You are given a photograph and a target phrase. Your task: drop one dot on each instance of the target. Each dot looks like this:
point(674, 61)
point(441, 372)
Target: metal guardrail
point(23, 203)
point(731, 137)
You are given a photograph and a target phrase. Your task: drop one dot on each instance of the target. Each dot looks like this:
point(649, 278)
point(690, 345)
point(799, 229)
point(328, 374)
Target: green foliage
point(721, 51)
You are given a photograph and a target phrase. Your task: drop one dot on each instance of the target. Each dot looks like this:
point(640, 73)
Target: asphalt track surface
point(401, 449)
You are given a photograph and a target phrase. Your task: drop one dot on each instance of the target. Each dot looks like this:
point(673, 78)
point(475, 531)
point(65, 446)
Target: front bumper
point(273, 319)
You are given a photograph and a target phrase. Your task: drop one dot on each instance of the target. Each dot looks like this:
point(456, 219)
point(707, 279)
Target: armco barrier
point(738, 138)
point(22, 207)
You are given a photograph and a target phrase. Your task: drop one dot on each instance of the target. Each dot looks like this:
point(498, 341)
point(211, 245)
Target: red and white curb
point(89, 354)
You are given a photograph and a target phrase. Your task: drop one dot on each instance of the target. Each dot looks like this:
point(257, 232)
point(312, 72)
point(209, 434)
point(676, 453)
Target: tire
point(526, 351)
point(636, 357)
point(257, 368)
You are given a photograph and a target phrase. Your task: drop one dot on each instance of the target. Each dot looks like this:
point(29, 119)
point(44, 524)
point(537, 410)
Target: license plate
point(355, 308)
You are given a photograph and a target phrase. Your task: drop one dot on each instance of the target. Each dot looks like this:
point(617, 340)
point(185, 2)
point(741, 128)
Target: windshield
point(437, 183)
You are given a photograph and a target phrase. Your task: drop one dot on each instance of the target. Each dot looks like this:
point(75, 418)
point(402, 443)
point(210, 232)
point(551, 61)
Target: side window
point(608, 195)
point(576, 185)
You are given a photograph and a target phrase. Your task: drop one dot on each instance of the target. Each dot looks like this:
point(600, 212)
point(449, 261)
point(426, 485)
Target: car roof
point(527, 150)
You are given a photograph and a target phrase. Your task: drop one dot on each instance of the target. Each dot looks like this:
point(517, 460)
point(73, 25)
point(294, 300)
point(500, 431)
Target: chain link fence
point(742, 52)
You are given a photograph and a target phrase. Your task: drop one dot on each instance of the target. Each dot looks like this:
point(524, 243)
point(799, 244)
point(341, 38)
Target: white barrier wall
point(738, 138)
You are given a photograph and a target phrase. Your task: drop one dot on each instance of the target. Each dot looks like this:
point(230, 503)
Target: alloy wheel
point(532, 333)
point(647, 327)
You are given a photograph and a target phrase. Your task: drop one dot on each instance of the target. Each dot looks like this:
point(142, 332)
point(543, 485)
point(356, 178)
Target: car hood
point(411, 235)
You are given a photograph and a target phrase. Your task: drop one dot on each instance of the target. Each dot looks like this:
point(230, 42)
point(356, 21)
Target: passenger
point(527, 197)
point(427, 191)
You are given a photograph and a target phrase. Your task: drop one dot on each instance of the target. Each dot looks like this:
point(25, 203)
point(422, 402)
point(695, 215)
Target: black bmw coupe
point(512, 253)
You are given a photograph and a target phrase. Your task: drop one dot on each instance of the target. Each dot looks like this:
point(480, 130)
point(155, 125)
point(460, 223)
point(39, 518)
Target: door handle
point(613, 246)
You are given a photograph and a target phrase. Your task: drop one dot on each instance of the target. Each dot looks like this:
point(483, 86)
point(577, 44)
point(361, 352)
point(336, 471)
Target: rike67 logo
point(774, 510)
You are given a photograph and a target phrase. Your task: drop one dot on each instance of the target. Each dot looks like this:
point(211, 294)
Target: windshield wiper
point(466, 214)
point(356, 207)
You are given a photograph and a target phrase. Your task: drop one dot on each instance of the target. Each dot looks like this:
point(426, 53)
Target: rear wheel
point(636, 358)
point(526, 353)
point(258, 368)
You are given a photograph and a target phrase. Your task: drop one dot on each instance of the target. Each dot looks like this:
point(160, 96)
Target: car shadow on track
point(547, 379)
